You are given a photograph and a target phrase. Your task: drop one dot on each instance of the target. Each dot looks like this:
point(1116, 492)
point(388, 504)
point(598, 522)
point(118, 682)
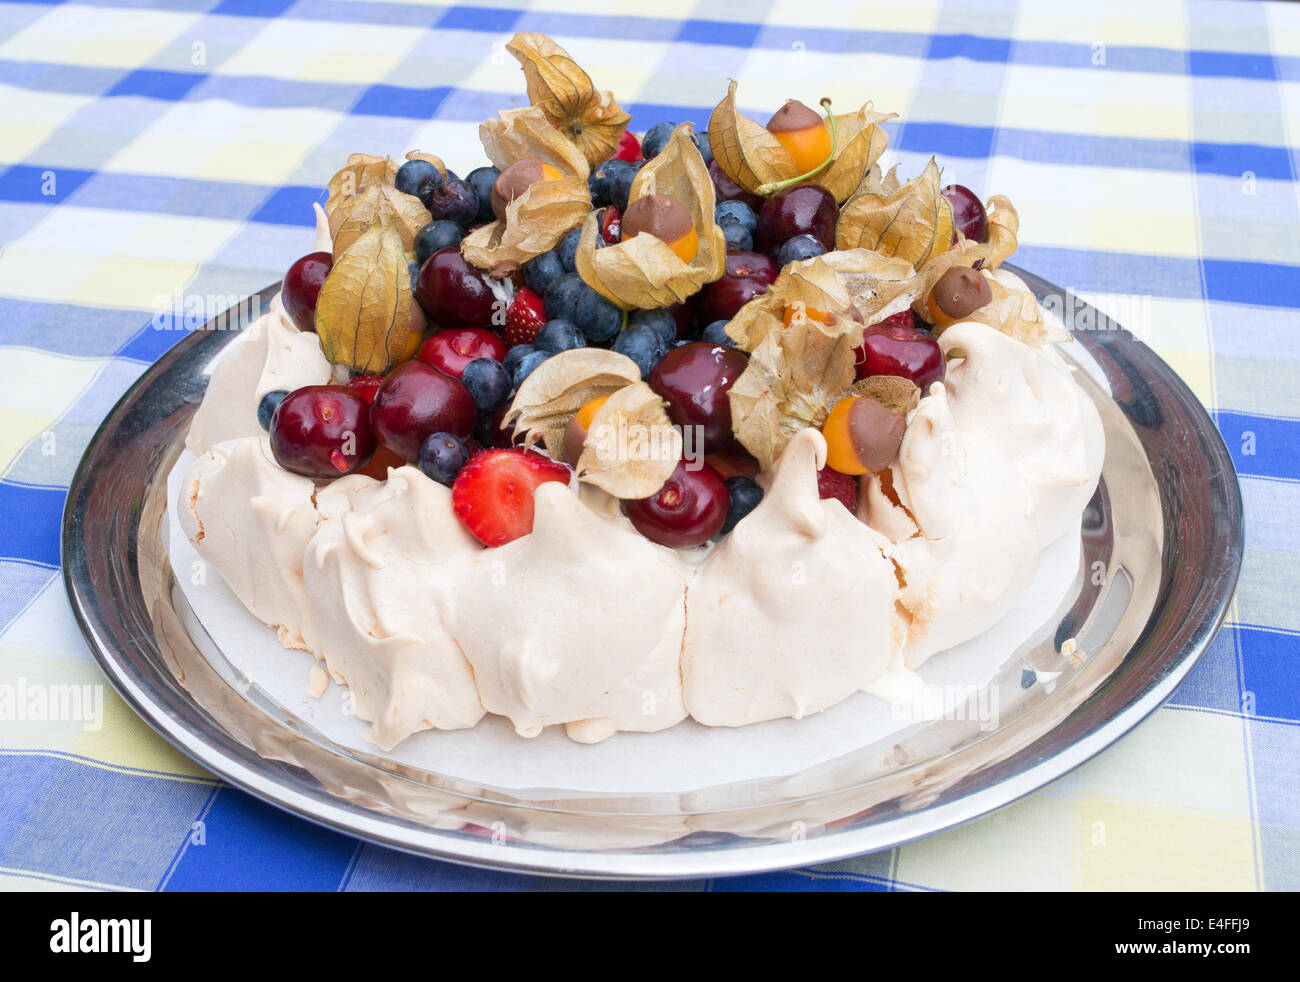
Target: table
point(153, 152)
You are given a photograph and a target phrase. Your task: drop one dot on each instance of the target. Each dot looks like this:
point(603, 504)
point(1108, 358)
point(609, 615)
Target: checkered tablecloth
point(1150, 147)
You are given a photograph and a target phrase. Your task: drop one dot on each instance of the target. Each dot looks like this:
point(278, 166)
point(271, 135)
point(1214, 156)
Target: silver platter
point(1161, 551)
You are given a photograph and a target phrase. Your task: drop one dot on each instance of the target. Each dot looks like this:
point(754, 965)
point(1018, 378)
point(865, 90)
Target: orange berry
point(810, 312)
point(588, 411)
point(840, 452)
point(686, 246)
point(809, 147)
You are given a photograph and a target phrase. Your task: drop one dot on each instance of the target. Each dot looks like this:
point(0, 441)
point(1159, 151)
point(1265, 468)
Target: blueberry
point(597, 318)
point(799, 247)
point(643, 345)
point(541, 271)
point(736, 211)
point(414, 269)
point(480, 180)
point(656, 138)
point(267, 406)
point(620, 184)
point(442, 455)
point(452, 175)
point(702, 141)
point(435, 236)
point(418, 178)
point(559, 335)
point(601, 181)
point(739, 238)
point(515, 355)
point(662, 320)
point(716, 333)
point(568, 249)
point(745, 496)
point(561, 298)
point(453, 201)
point(525, 366)
point(488, 383)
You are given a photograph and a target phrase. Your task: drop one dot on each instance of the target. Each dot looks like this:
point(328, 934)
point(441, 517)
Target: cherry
point(968, 214)
point(416, 400)
point(366, 386)
point(721, 299)
point(301, 287)
point(752, 264)
point(503, 434)
point(803, 209)
point(629, 148)
point(322, 431)
point(687, 511)
point(611, 225)
point(694, 379)
point(893, 349)
point(684, 314)
point(450, 351)
point(729, 190)
point(452, 292)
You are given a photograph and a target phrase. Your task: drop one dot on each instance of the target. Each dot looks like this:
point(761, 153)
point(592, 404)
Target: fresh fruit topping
point(541, 271)
point(418, 178)
point(844, 489)
point(562, 296)
point(737, 237)
point(575, 431)
point(661, 319)
point(366, 386)
point(968, 214)
point(729, 190)
point(435, 236)
point(611, 225)
point(801, 131)
point(656, 138)
point(266, 406)
point(525, 366)
point(518, 178)
point(567, 250)
point(629, 148)
point(559, 335)
point(862, 436)
point(643, 344)
point(453, 201)
point(744, 495)
point(453, 293)
point(694, 380)
point(755, 265)
point(442, 455)
point(892, 349)
point(667, 220)
point(736, 211)
point(301, 287)
point(416, 400)
point(798, 310)
point(499, 432)
point(684, 313)
point(611, 183)
point(597, 318)
point(322, 431)
point(493, 494)
point(450, 351)
point(487, 382)
point(803, 209)
point(687, 511)
point(515, 355)
point(797, 248)
point(526, 314)
point(748, 275)
point(959, 293)
point(716, 333)
point(481, 181)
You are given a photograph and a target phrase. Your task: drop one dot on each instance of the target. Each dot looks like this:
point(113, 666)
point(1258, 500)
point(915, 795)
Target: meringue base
point(686, 757)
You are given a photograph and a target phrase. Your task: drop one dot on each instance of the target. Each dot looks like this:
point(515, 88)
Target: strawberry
point(841, 487)
point(493, 493)
point(629, 148)
point(524, 317)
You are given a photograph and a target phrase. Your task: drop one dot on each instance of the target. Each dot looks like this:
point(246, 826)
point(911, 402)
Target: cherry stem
point(772, 187)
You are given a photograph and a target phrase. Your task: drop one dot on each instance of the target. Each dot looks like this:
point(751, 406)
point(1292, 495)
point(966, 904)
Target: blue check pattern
point(1151, 148)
